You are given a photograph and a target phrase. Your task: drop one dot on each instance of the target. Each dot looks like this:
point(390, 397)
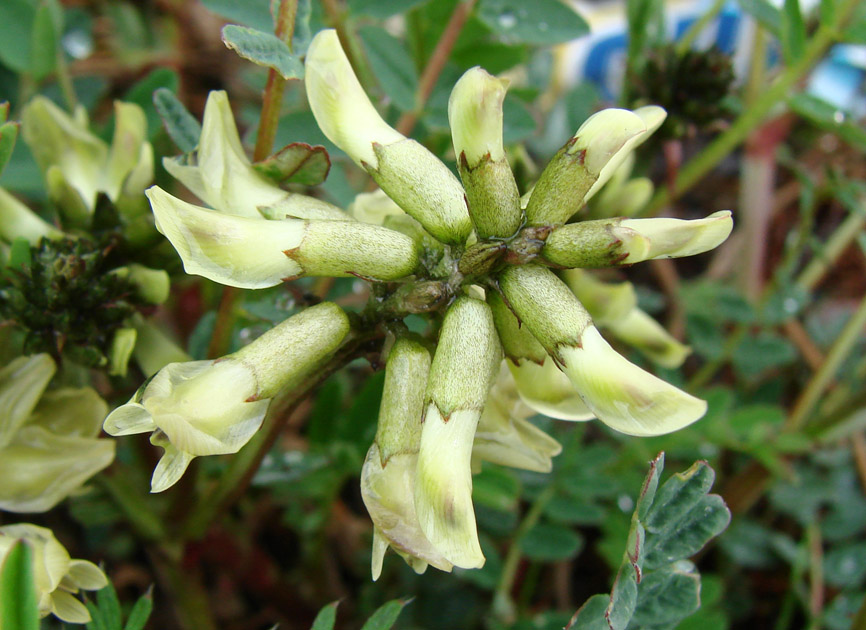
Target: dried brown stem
point(435, 64)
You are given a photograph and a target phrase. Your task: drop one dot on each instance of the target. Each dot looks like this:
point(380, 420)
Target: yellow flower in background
point(58, 578)
point(48, 440)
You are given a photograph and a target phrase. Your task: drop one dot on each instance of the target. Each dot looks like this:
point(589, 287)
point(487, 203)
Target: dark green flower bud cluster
point(68, 299)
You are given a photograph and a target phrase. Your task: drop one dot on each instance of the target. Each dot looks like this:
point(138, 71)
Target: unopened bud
point(573, 171)
point(475, 115)
point(481, 258)
point(412, 176)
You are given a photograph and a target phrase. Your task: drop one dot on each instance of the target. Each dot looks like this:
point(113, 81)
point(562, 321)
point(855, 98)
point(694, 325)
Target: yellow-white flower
point(77, 164)
point(464, 367)
point(214, 407)
point(48, 440)
point(57, 577)
point(617, 392)
point(388, 474)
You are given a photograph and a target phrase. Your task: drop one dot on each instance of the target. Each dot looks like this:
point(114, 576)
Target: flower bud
point(475, 115)
point(214, 407)
point(19, 221)
point(573, 171)
point(56, 576)
point(412, 176)
point(505, 436)
point(463, 369)
point(619, 393)
point(219, 172)
point(122, 345)
point(48, 442)
point(611, 242)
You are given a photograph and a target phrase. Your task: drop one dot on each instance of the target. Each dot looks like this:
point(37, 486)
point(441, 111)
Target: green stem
point(697, 27)
point(65, 81)
point(752, 117)
point(838, 242)
point(839, 351)
point(503, 605)
point(134, 507)
point(187, 592)
point(276, 85)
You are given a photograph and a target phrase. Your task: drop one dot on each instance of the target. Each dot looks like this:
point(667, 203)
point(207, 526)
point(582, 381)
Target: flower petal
point(622, 395)
point(236, 251)
point(339, 103)
point(129, 419)
point(443, 486)
point(86, 575)
point(170, 467)
point(547, 390)
point(21, 385)
point(675, 238)
point(67, 608)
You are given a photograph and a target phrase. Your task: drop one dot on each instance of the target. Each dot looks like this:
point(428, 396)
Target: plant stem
point(276, 85)
point(270, 117)
point(839, 351)
point(187, 592)
point(838, 242)
point(697, 27)
point(435, 64)
point(752, 117)
point(133, 506)
point(503, 605)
